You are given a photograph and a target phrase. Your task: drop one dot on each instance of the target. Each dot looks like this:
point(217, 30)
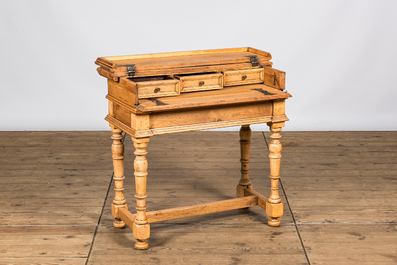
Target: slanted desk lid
point(230, 95)
point(182, 62)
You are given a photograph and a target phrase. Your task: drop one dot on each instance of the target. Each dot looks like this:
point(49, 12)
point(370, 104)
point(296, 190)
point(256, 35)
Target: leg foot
point(119, 224)
point(274, 222)
point(141, 244)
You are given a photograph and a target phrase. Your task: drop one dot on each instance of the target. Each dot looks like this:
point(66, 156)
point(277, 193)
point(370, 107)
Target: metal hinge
point(254, 60)
point(130, 69)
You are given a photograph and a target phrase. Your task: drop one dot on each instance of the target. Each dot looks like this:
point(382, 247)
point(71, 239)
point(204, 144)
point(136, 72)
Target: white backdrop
point(339, 55)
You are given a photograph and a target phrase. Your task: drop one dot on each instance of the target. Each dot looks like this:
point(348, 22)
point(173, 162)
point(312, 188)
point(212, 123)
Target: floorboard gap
point(103, 208)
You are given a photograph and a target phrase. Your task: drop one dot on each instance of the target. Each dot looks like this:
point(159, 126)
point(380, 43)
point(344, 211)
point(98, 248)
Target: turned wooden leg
point(141, 228)
point(118, 176)
point(245, 145)
point(274, 206)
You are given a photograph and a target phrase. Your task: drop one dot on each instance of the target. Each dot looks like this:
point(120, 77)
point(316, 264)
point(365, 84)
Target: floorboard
point(350, 243)
point(338, 189)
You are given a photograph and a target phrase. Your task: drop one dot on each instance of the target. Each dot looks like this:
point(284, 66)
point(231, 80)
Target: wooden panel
point(182, 62)
point(121, 72)
point(200, 82)
point(278, 107)
point(243, 77)
point(122, 114)
point(184, 59)
point(115, 122)
point(140, 122)
point(109, 60)
point(274, 78)
point(204, 115)
point(229, 95)
point(154, 89)
point(123, 92)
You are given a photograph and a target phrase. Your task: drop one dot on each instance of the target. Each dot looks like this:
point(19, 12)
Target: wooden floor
point(339, 191)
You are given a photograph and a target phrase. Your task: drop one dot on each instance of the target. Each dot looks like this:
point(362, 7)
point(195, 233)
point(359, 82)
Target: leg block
point(240, 190)
point(141, 233)
point(274, 211)
point(115, 213)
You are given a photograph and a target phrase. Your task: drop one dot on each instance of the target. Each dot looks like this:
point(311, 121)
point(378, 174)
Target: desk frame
point(247, 196)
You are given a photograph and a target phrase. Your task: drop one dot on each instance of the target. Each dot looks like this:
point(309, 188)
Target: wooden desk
point(186, 91)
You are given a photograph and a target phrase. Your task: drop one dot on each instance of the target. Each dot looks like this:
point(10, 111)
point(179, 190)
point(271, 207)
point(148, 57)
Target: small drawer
point(242, 77)
point(154, 87)
point(198, 82)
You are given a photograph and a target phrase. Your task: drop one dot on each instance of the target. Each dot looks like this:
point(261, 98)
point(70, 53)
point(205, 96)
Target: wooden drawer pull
point(243, 77)
point(201, 83)
point(157, 90)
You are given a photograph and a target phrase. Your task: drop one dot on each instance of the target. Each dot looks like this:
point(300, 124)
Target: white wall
point(339, 55)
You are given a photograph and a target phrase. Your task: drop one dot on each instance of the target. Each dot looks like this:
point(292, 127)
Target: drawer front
point(243, 77)
point(155, 89)
point(201, 82)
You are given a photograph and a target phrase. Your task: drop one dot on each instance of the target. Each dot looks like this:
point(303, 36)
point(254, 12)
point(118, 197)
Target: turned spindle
point(118, 176)
point(245, 145)
point(141, 228)
point(274, 206)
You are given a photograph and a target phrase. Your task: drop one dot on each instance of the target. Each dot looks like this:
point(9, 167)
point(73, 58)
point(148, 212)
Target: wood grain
point(243, 77)
point(202, 244)
point(194, 210)
point(230, 95)
point(114, 67)
point(340, 187)
point(351, 175)
point(350, 244)
point(200, 82)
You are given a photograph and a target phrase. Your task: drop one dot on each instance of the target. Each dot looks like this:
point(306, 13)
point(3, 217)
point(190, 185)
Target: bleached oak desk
point(185, 91)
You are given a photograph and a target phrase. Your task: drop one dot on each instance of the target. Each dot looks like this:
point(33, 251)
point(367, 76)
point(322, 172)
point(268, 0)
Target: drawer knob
point(157, 90)
point(243, 77)
point(201, 83)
